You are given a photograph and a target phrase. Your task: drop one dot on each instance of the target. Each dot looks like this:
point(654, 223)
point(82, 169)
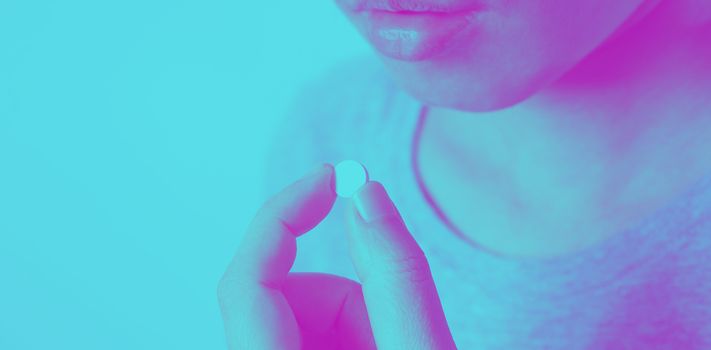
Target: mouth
point(414, 6)
point(410, 30)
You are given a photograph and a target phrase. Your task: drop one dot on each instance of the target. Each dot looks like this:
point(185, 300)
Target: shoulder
point(327, 115)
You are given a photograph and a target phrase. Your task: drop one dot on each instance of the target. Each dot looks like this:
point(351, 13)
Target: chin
point(483, 96)
point(488, 87)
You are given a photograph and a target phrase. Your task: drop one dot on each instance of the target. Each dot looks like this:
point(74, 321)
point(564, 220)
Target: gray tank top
point(648, 287)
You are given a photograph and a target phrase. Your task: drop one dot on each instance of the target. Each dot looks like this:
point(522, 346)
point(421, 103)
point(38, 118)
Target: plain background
point(132, 141)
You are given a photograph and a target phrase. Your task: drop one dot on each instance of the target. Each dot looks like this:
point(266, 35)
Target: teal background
point(132, 141)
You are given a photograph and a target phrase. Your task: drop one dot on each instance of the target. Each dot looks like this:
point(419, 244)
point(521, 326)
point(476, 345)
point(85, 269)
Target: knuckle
point(230, 294)
point(411, 268)
point(354, 289)
point(227, 288)
point(224, 288)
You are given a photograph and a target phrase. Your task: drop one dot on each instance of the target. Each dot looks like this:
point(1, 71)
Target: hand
point(267, 308)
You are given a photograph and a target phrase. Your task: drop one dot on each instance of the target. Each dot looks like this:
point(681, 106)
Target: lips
point(441, 6)
point(415, 5)
point(411, 30)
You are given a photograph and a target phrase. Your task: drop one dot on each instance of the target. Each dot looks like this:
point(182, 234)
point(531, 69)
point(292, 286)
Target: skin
point(544, 141)
point(604, 123)
point(265, 307)
point(516, 49)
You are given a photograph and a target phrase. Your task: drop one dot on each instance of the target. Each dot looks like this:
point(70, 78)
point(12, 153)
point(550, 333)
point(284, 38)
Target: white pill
point(350, 176)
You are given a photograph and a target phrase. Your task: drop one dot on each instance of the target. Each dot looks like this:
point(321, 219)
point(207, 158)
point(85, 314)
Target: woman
point(551, 166)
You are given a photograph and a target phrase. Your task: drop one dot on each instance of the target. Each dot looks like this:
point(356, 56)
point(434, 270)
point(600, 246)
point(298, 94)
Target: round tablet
point(350, 176)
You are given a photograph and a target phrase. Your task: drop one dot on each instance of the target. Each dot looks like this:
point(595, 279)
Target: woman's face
point(480, 55)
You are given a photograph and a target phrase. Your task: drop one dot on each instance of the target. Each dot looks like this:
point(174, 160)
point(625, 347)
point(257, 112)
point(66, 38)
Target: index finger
point(268, 248)
point(256, 312)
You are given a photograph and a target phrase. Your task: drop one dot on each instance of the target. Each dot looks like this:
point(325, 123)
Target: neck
point(644, 83)
point(617, 136)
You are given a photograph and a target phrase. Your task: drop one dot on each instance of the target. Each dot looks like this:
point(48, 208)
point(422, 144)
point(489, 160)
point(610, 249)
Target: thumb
point(380, 244)
point(400, 295)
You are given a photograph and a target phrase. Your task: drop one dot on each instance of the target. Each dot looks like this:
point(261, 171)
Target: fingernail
point(373, 202)
point(316, 169)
